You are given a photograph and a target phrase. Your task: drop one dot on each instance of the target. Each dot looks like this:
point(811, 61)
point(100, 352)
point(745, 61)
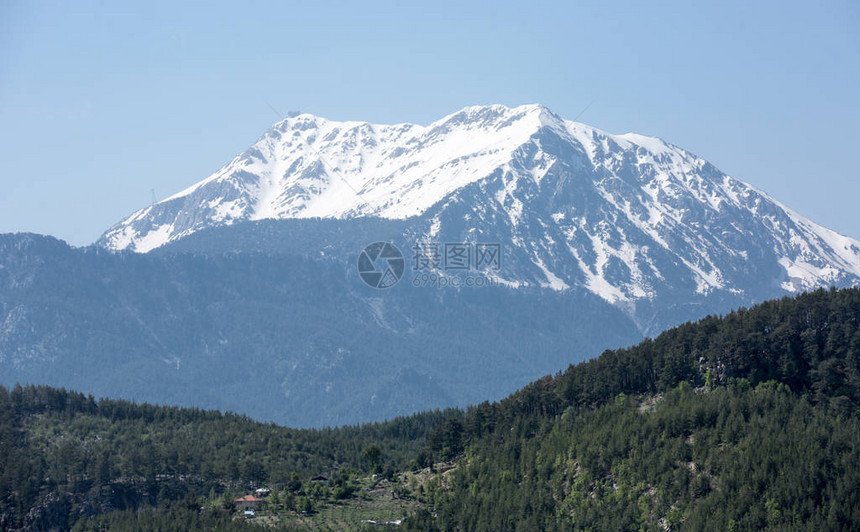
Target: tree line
point(745, 421)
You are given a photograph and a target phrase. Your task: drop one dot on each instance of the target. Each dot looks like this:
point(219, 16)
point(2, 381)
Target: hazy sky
point(100, 102)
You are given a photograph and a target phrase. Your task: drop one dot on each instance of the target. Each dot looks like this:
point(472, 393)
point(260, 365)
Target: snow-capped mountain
point(630, 218)
point(250, 298)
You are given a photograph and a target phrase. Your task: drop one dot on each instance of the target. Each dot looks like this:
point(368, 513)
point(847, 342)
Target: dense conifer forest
point(742, 422)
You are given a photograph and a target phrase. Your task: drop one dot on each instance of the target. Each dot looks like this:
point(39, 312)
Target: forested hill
point(810, 343)
point(743, 422)
point(65, 456)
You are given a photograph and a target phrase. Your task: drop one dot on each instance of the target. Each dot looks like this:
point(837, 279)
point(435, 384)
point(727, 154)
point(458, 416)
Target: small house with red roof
point(248, 501)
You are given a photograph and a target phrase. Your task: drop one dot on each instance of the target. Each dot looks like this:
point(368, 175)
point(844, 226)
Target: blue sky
point(100, 102)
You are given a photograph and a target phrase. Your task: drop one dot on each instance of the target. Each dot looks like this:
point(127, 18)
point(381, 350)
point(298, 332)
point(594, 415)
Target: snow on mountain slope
point(627, 217)
point(306, 167)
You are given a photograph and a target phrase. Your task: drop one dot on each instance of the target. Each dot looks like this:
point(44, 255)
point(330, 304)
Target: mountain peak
point(627, 217)
point(308, 166)
point(483, 115)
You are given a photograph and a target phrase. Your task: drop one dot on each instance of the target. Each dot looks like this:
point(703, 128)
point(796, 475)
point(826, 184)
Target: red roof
point(248, 498)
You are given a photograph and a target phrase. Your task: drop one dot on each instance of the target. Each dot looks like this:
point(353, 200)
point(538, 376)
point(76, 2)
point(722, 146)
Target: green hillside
point(748, 421)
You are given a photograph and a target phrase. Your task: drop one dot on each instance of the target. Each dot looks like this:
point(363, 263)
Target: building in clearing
point(248, 502)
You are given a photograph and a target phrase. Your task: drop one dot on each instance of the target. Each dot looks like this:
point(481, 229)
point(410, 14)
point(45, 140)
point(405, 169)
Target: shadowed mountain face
point(279, 337)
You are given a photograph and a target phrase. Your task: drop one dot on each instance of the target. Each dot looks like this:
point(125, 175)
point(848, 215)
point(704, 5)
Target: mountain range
point(243, 292)
point(641, 223)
